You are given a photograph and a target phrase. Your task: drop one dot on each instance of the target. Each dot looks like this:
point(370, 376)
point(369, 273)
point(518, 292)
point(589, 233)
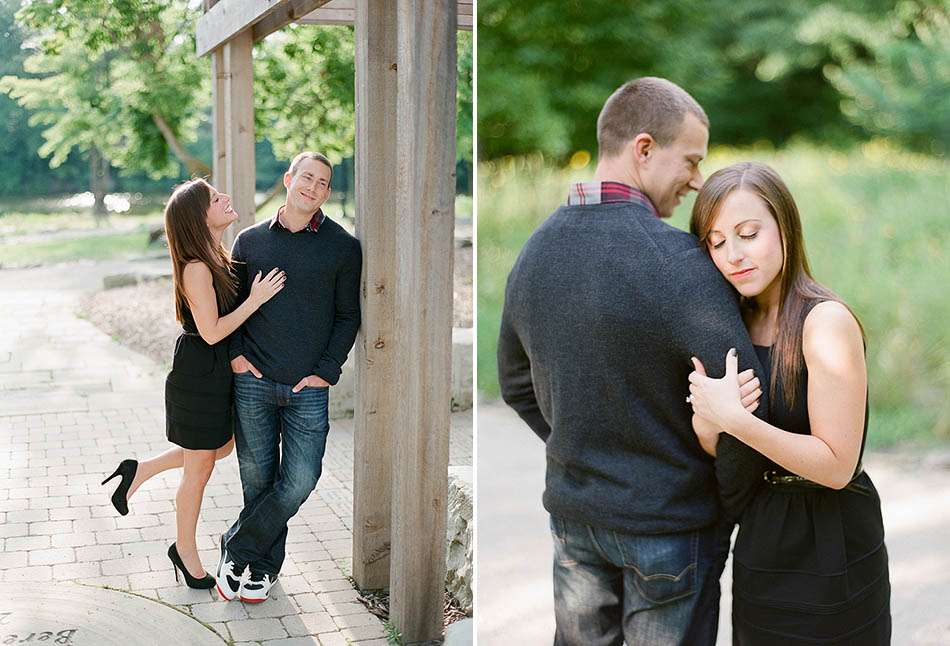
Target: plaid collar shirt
point(312, 226)
point(585, 193)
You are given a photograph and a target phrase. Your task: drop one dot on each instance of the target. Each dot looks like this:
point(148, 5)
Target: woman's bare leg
point(198, 466)
point(173, 458)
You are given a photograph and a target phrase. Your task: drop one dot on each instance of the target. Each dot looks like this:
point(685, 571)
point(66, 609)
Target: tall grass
point(877, 231)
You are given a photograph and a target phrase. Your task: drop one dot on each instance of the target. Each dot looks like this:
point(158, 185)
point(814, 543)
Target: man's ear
point(643, 145)
point(287, 179)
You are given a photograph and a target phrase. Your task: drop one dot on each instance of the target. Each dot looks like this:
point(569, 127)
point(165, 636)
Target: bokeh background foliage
point(764, 71)
point(849, 101)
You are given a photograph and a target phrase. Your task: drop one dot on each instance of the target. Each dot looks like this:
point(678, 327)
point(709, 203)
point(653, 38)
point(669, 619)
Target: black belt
point(798, 483)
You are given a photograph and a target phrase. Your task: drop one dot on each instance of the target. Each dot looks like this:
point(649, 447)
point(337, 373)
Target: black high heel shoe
point(205, 583)
point(126, 469)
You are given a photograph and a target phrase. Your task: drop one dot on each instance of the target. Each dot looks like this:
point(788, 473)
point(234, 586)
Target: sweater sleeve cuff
point(236, 345)
point(328, 370)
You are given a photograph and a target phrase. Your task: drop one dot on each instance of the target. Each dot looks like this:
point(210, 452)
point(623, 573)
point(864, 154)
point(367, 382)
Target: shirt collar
point(312, 226)
point(586, 193)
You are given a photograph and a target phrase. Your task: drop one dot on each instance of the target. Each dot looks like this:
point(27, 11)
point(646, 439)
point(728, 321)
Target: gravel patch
point(140, 316)
point(143, 316)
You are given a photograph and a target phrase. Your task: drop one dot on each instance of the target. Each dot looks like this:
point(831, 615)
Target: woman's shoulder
point(196, 272)
point(830, 315)
point(196, 268)
point(831, 333)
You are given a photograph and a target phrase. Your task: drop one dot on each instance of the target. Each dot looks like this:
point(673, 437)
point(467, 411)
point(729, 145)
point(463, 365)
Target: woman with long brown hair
point(198, 390)
point(809, 564)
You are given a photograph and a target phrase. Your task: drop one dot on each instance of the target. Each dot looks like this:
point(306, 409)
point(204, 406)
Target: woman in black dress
point(198, 395)
point(809, 564)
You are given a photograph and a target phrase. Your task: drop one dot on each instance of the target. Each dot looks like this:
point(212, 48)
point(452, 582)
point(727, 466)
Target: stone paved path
point(514, 594)
point(73, 403)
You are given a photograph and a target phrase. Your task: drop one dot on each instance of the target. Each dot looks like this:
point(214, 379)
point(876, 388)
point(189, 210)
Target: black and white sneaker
point(255, 588)
point(229, 575)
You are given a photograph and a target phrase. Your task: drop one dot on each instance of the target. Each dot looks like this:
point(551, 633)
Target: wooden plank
point(219, 156)
point(425, 188)
point(466, 11)
point(376, 389)
point(228, 18)
point(329, 16)
point(343, 12)
point(239, 127)
point(287, 13)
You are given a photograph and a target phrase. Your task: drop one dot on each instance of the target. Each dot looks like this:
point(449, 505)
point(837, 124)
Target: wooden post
point(425, 211)
point(376, 390)
point(218, 92)
point(239, 127)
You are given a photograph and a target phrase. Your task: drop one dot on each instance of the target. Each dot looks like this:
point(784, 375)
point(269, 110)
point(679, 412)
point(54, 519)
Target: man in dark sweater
point(285, 358)
point(604, 309)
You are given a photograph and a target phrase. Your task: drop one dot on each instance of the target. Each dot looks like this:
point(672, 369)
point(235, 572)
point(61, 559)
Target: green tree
point(892, 69)
point(304, 92)
point(465, 143)
point(122, 79)
point(303, 81)
point(832, 72)
point(121, 75)
point(23, 170)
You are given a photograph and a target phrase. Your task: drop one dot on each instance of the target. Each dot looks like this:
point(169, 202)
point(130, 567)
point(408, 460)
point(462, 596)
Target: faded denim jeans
point(280, 438)
point(612, 588)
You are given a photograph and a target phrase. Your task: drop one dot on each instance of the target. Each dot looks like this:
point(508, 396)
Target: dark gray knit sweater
point(309, 327)
point(603, 310)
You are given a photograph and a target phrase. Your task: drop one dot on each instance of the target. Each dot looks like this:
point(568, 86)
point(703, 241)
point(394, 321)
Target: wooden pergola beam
point(237, 86)
point(228, 18)
point(425, 212)
point(225, 19)
point(289, 12)
point(343, 12)
point(377, 400)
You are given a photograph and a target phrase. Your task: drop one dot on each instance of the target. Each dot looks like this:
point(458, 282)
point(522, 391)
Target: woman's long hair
point(189, 239)
point(799, 290)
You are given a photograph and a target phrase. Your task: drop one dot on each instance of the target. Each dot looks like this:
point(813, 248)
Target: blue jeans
point(611, 588)
point(280, 438)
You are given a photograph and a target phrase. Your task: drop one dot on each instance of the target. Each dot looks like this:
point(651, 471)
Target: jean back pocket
point(665, 565)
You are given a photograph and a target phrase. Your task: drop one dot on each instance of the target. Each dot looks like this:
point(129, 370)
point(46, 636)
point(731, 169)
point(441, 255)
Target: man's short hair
point(309, 154)
point(648, 104)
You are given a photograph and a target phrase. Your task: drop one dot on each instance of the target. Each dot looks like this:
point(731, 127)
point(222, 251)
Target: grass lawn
point(877, 232)
point(31, 234)
point(100, 247)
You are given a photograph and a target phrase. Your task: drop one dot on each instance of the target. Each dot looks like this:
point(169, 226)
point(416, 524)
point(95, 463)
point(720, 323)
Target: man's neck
point(294, 220)
point(607, 171)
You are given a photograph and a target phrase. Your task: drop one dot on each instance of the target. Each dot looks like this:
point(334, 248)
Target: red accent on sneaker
point(253, 600)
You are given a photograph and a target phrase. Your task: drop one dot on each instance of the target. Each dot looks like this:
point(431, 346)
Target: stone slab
point(81, 615)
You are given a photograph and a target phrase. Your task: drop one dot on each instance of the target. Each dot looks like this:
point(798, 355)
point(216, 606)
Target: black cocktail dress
point(198, 391)
point(809, 565)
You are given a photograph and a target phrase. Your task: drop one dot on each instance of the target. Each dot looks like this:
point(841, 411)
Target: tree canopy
point(831, 72)
point(123, 78)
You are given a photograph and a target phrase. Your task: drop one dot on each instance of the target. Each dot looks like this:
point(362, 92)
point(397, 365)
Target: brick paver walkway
point(73, 403)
